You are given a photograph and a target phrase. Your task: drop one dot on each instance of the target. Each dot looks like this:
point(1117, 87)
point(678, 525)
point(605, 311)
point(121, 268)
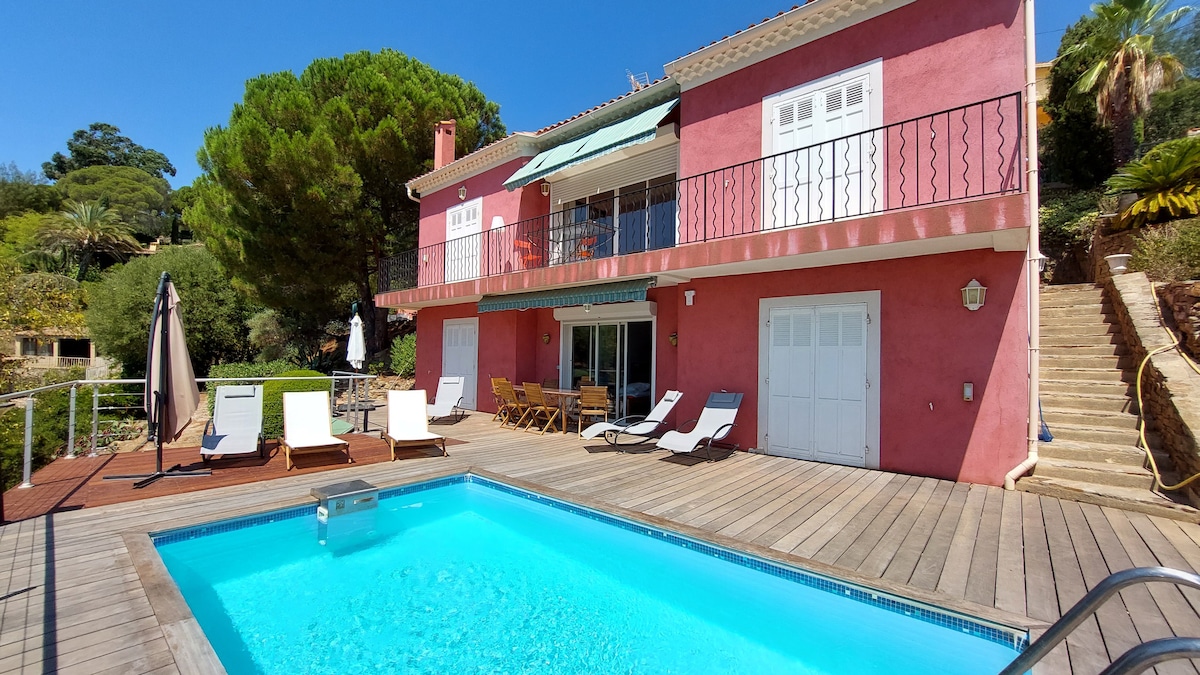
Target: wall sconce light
point(689, 297)
point(587, 307)
point(973, 295)
point(462, 193)
point(673, 338)
point(1041, 262)
point(545, 338)
point(545, 189)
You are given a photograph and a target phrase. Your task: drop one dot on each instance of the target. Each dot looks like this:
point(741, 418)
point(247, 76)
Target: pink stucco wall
point(930, 346)
point(512, 206)
point(937, 55)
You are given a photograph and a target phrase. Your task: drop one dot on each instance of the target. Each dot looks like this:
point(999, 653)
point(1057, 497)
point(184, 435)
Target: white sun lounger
point(407, 424)
point(308, 425)
point(642, 426)
point(714, 424)
point(236, 424)
point(449, 398)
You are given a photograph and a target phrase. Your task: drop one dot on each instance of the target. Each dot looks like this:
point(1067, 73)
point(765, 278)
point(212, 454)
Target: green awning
point(621, 291)
point(637, 129)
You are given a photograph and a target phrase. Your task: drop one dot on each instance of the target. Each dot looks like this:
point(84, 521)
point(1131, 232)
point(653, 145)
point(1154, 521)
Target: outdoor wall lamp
point(545, 338)
point(587, 307)
point(673, 338)
point(689, 297)
point(973, 295)
point(545, 189)
point(462, 193)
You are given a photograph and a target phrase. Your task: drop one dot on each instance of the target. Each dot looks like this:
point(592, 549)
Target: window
point(647, 215)
point(36, 347)
point(464, 229)
point(822, 159)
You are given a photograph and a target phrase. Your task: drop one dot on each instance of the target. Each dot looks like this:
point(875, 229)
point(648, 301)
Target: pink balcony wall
point(512, 206)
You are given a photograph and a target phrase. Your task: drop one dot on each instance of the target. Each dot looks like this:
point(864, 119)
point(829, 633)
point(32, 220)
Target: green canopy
point(621, 291)
point(640, 128)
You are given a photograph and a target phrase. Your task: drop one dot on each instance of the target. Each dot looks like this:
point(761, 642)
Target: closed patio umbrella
point(356, 349)
point(171, 392)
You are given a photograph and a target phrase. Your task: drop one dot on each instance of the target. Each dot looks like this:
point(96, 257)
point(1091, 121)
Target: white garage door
point(460, 353)
point(817, 383)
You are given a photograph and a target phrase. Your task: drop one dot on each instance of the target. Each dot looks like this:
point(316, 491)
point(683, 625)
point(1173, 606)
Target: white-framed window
point(822, 161)
point(464, 229)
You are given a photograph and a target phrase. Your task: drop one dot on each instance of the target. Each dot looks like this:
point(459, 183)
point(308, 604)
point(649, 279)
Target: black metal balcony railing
point(967, 152)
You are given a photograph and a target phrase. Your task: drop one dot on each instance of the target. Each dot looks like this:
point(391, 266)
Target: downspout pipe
point(411, 196)
point(1034, 257)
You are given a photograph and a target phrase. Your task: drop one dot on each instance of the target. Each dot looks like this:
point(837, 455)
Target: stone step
point(1068, 288)
point(1077, 340)
point(1096, 419)
point(1049, 300)
point(1095, 473)
point(1104, 375)
point(1087, 361)
point(1077, 312)
point(1087, 401)
point(1130, 499)
point(1100, 453)
point(1105, 349)
point(1079, 329)
point(1055, 387)
point(1091, 434)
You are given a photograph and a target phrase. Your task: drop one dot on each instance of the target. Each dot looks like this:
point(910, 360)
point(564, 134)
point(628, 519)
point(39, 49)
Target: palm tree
point(85, 229)
point(1128, 70)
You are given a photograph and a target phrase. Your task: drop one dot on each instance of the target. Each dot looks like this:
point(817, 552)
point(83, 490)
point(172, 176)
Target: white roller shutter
point(643, 167)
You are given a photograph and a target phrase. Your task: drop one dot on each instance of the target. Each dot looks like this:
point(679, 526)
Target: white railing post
point(71, 426)
point(95, 418)
point(27, 470)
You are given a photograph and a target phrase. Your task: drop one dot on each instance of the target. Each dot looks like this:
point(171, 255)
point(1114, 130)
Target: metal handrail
point(1088, 606)
point(1145, 655)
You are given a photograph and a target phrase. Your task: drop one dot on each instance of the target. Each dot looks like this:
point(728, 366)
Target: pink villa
point(793, 212)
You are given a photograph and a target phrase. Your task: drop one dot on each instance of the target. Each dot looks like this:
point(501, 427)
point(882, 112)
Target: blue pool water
point(469, 578)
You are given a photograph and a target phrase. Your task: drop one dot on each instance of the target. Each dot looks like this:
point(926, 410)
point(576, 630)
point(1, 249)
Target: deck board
point(73, 601)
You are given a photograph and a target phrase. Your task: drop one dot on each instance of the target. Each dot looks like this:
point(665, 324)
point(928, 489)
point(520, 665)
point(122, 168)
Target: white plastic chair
point(236, 424)
point(407, 424)
point(715, 423)
point(308, 425)
point(635, 425)
point(449, 398)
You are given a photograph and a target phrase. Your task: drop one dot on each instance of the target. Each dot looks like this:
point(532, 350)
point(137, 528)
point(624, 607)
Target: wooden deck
point(73, 601)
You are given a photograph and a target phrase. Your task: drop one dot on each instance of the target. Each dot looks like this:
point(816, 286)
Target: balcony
point(965, 153)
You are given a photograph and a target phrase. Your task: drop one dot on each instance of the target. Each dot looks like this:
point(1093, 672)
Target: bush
point(214, 314)
point(404, 355)
point(273, 398)
point(50, 416)
point(1173, 112)
point(243, 369)
point(1170, 252)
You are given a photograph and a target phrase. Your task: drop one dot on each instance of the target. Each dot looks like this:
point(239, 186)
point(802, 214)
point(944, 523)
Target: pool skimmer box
point(341, 499)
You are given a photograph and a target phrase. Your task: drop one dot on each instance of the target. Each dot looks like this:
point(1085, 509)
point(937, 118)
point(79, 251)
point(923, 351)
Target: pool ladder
point(1133, 661)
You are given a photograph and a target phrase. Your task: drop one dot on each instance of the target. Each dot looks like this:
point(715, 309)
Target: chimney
point(443, 143)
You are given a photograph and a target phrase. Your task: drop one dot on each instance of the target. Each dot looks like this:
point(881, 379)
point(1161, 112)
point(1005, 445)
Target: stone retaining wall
point(1106, 242)
point(1183, 301)
point(1170, 388)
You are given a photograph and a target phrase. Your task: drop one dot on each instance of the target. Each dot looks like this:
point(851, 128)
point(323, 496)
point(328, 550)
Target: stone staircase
point(1090, 404)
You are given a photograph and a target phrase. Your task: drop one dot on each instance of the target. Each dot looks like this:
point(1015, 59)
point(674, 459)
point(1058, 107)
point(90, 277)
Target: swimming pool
point(467, 574)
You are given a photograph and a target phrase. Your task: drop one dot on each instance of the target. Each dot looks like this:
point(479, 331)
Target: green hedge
point(273, 397)
point(243, 369)
point(1169, 252)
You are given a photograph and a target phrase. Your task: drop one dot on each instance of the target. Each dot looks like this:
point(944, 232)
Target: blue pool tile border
point(1012, 638)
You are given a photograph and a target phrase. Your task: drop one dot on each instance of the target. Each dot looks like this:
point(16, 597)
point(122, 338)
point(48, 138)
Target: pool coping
point(194, 654)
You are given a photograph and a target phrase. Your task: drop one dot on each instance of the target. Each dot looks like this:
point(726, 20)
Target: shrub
point(273, 397)
point(243, 369)
point(404, 355)
point(50, 417)
point(1168, 180)
point(1066, 218)
point(1173, 112)
point(1170, 252)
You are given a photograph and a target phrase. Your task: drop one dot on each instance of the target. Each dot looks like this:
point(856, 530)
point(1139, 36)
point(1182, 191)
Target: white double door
point(817, 383)
point(460, 356)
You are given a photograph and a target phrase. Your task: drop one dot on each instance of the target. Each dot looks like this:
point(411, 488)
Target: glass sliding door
point(619, 356)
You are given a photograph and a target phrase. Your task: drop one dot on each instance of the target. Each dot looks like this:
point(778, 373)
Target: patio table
point(561, 395)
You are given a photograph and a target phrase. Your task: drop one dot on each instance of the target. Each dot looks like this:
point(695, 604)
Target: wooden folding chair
point(514, 408)
point(593, 402)
point(538, 408)
point(498, 399)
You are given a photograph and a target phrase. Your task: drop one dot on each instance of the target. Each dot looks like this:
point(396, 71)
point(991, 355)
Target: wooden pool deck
point(80, 591)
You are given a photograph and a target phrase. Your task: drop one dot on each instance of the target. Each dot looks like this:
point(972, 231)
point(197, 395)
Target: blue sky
point(165, 71)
